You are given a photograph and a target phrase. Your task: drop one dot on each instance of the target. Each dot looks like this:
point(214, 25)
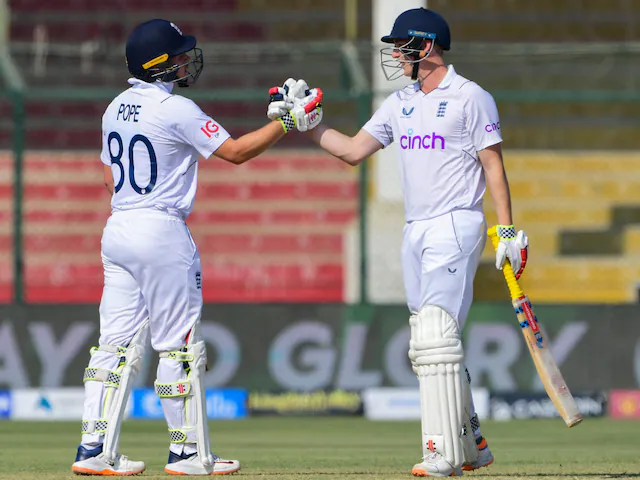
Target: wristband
point(506, 232)
point(288, 122)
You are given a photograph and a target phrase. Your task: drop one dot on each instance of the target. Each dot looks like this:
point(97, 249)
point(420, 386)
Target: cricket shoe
point(93, 462)
point(484, 459)
point(435, 465)
point(190, 464)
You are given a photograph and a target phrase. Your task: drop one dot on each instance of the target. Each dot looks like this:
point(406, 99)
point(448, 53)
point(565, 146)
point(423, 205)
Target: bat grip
point(514, 288)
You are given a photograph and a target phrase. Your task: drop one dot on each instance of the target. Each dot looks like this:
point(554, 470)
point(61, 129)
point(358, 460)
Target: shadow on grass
point(568, 474)
point(308, 474)
point(492, 475)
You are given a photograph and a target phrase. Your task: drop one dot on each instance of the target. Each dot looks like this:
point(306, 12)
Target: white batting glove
point(279, 103)
point(513, 246)
point(308, 110)
point(306, 113)
point(307, 117)
point(281, 99)
point(296, 89)
point(288, 84)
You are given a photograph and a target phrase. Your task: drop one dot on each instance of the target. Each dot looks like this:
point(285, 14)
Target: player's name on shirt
point(128, 113)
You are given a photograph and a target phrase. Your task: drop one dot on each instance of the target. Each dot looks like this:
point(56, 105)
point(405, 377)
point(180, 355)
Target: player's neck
point(430, 77)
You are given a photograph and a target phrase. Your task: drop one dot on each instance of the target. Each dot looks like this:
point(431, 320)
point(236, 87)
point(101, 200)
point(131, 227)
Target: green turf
point(341, 448)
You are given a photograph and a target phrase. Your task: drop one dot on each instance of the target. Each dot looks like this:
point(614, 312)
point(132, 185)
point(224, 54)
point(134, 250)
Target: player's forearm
point(499, 188)
point(336, 143)
point(253, 144)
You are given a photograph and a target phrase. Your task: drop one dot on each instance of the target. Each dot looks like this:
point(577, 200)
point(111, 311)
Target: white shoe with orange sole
point(93, 462)
point(191, 465)
point(484, 460)
point(435, 465)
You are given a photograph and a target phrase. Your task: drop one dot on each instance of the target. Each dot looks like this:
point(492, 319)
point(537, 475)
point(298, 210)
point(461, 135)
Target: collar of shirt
point(164, 86)
point(446, 81)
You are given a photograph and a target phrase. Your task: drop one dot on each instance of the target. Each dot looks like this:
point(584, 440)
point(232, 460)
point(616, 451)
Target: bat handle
point(514, 288)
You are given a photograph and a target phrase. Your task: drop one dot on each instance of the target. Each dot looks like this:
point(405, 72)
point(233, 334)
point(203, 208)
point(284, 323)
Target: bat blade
point(543, 360)
point(545, 363)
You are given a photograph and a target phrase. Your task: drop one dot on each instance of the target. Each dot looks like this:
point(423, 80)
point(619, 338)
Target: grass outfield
point(327, 448)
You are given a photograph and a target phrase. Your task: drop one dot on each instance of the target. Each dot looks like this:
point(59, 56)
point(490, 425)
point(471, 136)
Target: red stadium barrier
point(268, 231)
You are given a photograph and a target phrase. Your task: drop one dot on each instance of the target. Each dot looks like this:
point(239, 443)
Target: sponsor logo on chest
point(419, 141)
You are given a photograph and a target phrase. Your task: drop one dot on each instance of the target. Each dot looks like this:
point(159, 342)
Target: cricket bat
point(543, 359)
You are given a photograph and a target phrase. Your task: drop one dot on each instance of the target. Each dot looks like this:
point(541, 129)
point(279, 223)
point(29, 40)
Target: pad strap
point(177, 356)
point(108, 348)
point(184, 435)
point(108, 377)
point(177, 389)
point(95, 426)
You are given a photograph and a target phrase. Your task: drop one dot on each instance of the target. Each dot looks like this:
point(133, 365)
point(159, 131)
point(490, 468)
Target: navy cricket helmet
point(415, 25)
point(152, 44)
point(420, 22)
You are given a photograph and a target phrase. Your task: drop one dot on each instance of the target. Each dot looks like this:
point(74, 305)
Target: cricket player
point(151, 142)
point(448, 131)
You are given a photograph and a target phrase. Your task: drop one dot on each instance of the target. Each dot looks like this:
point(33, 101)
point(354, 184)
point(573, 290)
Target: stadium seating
point(567, 203)
point(88, 6)
point(269, 230)
point(223, 26)
point(540, 21)
point(65, 27)
point(6, 230)
point(560, 193)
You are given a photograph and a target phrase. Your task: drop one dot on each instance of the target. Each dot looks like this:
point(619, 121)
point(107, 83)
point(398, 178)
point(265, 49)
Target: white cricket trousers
point(440, 257)
point(151, 269)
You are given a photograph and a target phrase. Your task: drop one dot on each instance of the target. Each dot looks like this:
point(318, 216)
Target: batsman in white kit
point(448, 132)
point(152, 140)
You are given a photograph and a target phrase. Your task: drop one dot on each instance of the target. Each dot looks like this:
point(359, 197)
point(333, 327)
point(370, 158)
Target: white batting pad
point(197, 347)
point(470, 448)
point(184, 399)
point(133, 356)
point(437, 357)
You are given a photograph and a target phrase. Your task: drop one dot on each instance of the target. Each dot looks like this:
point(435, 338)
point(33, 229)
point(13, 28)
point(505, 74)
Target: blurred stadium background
point(300, 254)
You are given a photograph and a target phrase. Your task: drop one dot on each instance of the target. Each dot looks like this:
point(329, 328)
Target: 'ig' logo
point(210, 129)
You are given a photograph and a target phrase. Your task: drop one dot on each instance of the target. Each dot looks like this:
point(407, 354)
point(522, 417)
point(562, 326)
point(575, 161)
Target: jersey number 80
point(115, 159)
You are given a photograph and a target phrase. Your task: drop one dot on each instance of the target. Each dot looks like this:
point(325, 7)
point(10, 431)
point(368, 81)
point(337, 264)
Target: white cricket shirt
point(152, 140)
point(439, 135)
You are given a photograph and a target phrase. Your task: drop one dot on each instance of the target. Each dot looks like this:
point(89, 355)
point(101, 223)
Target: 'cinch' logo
point(492, 127)
point(421, 142)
